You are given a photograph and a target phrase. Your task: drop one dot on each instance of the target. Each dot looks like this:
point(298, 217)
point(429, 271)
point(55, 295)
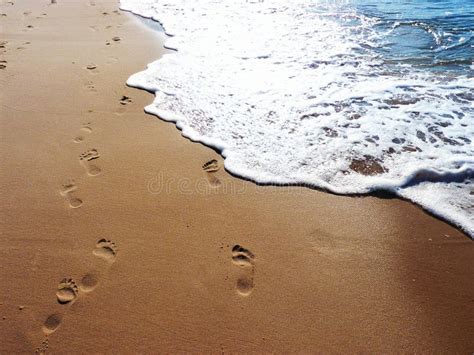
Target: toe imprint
point(89, 155)
point(69, 186)
point(242, 256)
point(211, 166)
point(125, 100)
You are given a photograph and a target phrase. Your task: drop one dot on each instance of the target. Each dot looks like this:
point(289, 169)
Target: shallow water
point(352, 97)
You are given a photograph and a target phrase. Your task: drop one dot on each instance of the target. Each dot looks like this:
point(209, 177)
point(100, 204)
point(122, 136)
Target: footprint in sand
point(3, 64)
point(86, 158)
point(67, 291)
point(68, 192)
point(244, 259)
point(89, 282)
point(106, 250)
point(52, 323)
point(211, 167)
point(125, 100)
point(86, 128)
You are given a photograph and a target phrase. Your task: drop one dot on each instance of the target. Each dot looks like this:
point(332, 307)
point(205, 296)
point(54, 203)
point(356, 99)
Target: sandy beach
point(120, 236)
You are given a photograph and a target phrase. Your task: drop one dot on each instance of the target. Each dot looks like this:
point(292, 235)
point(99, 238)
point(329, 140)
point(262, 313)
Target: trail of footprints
point(69, 188)
point(68, 290)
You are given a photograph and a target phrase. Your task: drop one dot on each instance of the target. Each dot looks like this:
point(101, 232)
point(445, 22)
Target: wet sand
point(120, 236)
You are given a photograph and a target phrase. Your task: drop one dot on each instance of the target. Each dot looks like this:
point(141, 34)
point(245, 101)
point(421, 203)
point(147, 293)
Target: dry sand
point(109, 211)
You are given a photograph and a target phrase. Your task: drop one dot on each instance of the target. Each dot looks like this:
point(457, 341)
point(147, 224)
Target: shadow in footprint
point(52, 323)
point(89, 282)
point(68, 190)
point(211, 166)
point(92, 68)
point(86, 158)
point(244, 259)
point(125, 100)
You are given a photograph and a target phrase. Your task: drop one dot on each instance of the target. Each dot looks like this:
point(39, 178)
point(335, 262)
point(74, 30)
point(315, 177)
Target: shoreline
point(193, 259)
point(383, 188)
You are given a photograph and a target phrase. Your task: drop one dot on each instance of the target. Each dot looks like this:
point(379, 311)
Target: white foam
point(292, 94)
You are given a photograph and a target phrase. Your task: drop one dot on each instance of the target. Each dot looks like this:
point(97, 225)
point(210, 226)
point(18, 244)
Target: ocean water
point(349, 96)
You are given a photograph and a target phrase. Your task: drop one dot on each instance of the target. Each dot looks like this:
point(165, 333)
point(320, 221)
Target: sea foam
point(301, 92)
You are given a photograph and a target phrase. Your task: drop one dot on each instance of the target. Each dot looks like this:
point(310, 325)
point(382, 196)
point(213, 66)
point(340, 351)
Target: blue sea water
point(349, 96)
point(436, 34)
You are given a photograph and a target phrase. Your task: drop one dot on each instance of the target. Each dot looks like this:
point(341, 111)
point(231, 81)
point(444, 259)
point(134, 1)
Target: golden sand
point(119, 236)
